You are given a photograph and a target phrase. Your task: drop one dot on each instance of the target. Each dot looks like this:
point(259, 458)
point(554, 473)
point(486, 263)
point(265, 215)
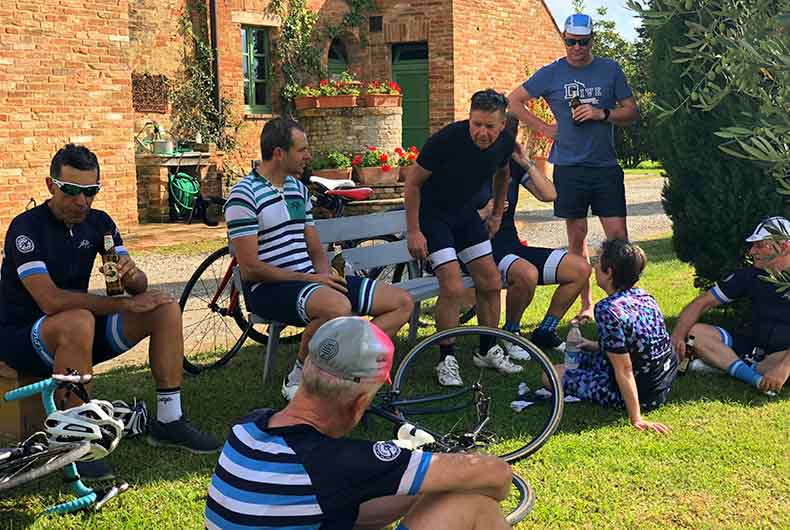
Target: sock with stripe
point(168, 404)
point(512, 327)
point(744, 372)
point(549, 324)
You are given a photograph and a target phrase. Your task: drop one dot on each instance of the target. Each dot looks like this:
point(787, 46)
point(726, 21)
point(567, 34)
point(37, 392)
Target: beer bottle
point(574, 104)
point(109, 260)
point(338, 264)
point(683, 365)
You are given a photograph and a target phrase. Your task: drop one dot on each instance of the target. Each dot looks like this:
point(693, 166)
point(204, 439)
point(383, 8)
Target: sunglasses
point(72, 190)
point(570, 43)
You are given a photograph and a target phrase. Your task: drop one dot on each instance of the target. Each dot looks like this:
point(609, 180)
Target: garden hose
point(183, 190)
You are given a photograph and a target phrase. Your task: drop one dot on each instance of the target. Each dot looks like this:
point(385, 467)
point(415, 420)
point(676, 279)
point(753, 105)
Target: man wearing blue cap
point(587, 95)
point(295, 468)
point(762, 357)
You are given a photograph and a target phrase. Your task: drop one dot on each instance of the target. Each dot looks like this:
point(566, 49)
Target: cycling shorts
point(287, 301)
point(580, 188)
point(547, 260)
point(462, 236)
point(24, 349)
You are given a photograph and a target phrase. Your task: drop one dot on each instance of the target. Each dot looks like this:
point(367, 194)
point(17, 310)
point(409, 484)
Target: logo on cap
point(328, 349)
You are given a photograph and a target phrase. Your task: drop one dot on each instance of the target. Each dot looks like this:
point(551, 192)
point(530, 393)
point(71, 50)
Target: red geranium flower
point(413, 149)
point(372, 148)
point(383, 157)
point(357, 160)
point(385, 167)
point(323, 82)
point(399, 151)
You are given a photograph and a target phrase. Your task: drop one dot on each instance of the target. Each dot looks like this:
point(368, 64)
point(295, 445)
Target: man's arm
point(688, 317)
point(468, 473)
point(518, 100)
point(316, 250)
point(51, 299)
point(623, 115)
point(499, 188)
point(624, 375)
point(133, 279)
point(538, 185)
point(415, 177)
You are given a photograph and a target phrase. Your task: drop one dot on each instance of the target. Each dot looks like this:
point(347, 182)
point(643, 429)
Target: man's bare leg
point(577, 245)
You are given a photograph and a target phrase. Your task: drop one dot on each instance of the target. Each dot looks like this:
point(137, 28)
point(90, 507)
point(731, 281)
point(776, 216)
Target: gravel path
point(536, 222)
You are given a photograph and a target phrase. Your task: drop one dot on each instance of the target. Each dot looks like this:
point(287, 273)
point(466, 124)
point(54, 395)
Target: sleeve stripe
point(30, 268)
point(413, 476)
point(123, 251)
point(524, 178)
point(719, 295)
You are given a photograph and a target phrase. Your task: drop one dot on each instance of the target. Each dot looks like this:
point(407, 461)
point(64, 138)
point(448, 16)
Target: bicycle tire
point(414, 394)
point(24, 469)
point(526, 500)
point(213, 333)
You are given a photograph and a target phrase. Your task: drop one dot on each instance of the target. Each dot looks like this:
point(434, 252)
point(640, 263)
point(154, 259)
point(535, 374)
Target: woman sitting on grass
point(639, 366)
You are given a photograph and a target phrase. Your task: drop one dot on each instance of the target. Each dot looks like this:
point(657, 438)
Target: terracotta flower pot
point(336, 102)
point(334, 174)
point(305, 102)
point(381, 100)
point(375, 175)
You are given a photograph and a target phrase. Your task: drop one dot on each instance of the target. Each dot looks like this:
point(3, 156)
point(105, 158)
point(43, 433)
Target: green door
point(337, 62)
point(410, 71)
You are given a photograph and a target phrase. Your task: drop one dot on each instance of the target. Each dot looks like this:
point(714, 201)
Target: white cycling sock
point(168, 404)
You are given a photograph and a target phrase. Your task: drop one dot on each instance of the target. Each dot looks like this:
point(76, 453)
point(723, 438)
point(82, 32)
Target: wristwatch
point(606, 113)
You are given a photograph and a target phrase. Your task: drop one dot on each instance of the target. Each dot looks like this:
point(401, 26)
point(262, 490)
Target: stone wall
point(352, 129)
point(65, 77)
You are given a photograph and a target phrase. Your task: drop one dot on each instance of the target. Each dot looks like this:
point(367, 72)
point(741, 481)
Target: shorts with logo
point(580, 188)
point(459, 236)
point(24, 349)
point(287, 301)
point(547, 260)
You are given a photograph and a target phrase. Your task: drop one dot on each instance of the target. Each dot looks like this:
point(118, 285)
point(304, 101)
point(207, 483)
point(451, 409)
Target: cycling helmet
point(92, 422)
point(134, 417)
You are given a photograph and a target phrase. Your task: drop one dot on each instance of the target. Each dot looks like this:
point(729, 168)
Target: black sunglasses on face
point(72, 190)
point(570, 43)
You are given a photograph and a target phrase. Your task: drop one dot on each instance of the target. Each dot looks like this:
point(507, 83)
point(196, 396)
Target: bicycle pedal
point(108, 494)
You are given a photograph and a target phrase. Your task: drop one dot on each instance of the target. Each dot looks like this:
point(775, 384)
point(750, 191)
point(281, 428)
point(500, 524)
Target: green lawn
point(725, 464)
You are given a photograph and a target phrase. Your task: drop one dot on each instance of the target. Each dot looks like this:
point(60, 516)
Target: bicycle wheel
point(481, 414)
point(520, 502)
point(17, 470)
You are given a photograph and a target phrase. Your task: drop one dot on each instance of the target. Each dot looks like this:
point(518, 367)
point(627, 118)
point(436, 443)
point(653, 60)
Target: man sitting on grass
point(761, 359)
point(632, 365)
point(295, 468)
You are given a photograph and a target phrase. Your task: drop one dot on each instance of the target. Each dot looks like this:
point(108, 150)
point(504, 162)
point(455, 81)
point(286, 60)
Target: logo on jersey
point(727, 278)
point(84, 244)
point(386, 451)
point(24, 244)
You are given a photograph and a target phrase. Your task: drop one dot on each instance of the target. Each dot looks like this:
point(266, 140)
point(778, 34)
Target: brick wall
point(64, 77)
point(494, 40)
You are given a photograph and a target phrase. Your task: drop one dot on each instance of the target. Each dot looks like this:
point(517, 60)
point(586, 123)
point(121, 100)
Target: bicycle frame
point(86, 496)
point(234, 295)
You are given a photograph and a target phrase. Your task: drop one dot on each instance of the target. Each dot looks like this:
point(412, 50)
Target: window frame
point(251, 106)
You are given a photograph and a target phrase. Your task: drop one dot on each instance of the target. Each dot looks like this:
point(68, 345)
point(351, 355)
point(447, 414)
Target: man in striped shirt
point(283, 265)
point(295, 469)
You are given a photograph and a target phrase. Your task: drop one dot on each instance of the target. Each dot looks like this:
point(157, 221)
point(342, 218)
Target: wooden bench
point(362, 258)
point(19, 418)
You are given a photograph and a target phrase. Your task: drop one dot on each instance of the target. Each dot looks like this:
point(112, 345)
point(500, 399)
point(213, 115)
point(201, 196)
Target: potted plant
point(306, 97)
point(382, 94)
point(337, 94)
point(406, 157)
point(373, 166)
point(538, 144)
point(333, 165)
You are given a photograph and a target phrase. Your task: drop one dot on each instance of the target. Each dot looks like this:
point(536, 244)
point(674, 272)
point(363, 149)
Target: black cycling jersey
point(38, 243)
point(518, 177)
point(458, 167)
point(770, 309)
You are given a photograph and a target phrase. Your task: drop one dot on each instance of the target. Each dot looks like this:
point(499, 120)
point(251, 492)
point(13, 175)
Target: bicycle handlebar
point(39, 387)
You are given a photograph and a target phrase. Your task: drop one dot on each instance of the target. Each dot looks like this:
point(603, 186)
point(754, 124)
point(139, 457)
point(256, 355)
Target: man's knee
point(73, 326)
point(331, 307)
point(403, 301)
point(579, 269)
point(522, 275)
point(167, 315)
point(451, 287)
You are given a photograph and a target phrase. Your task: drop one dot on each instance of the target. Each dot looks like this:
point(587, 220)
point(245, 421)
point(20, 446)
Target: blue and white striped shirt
point(297, 478)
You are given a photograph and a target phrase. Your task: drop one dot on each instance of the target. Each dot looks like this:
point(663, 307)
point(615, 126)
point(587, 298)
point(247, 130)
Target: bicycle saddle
point(356, 194)
point(333, 184)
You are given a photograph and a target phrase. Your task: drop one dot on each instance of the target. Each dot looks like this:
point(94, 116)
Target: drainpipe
point(212, 14)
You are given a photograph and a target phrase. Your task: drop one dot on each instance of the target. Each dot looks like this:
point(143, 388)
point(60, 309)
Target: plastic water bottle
point(573, 345)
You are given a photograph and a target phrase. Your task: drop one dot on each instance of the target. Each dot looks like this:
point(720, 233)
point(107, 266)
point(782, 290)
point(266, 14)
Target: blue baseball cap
point(579, 24)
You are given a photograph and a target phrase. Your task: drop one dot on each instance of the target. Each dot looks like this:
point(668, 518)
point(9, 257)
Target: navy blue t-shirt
point(602, 84)
point(459, 167)
point(770, 308)
point(297, 477)
point(38, 243)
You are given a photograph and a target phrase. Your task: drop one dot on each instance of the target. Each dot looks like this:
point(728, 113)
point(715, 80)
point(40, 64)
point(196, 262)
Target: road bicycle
point(214, 309)
point(35, 457)
point(479, 416)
